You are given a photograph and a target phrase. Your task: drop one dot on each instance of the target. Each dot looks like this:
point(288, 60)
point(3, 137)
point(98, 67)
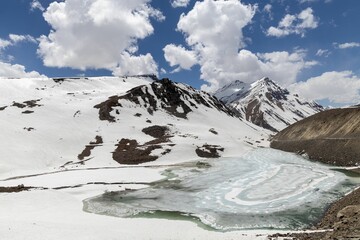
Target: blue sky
point(309, 46)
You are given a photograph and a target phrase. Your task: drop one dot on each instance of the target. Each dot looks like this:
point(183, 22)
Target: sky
point(311, 47)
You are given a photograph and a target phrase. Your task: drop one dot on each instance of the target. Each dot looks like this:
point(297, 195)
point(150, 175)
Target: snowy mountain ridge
point(266, 104)
point(107, 121)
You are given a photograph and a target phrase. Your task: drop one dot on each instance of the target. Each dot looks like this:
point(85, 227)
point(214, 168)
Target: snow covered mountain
point(266, 104)
point(69, 123)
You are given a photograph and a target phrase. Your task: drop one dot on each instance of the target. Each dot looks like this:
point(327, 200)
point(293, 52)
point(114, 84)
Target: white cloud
point(8, 70)
point(310, 1)
point(178, 55)
point(337, 87)
point(294, 24)
point(133, 65)
point(4, 44)
point(213, 33)
point(268, 10)
point(98, 34)
point(323, 53)
point(35, 4)
point(163, 71)
point(179, 3)
point(21, 38)
point(348, 45)
point(16, 71)
point(307, 1)
point(15, 39)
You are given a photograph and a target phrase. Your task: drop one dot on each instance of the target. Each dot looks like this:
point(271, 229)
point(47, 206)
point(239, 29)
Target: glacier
point(264, 189)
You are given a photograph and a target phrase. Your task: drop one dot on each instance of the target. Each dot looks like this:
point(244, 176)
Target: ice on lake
point(266, 188)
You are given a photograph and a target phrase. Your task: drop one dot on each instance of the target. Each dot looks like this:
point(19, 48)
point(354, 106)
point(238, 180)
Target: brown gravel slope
point(332, 137)
point(342, 220)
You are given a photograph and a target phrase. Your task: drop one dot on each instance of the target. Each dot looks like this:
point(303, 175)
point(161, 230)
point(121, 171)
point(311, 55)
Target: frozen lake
point(263, 189)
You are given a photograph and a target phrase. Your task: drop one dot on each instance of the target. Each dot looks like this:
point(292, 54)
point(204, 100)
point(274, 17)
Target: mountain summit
point(266, 104)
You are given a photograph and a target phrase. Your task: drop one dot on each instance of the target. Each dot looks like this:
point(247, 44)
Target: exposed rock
point(29, 104)
point(106, 107)
point(342, 220)
point(160, 133)
point(156, 131)
point(14, 189)
point(176, 99)
point(87, 151)
point(266, 104)
point(209, 151)
point(128, 151)
point(18, 105)
point(33, 103)
point(212, 130)
point(27, 112)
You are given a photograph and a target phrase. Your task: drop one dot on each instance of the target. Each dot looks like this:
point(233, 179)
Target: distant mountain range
point(266, 104)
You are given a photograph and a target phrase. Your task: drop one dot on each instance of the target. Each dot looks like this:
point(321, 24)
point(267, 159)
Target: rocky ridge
point(266, 104)
point(331, 136)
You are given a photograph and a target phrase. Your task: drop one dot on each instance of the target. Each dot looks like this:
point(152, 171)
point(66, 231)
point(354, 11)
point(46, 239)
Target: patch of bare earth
point(88, 148)
point(129, 151)
point(27, 112)
point(14, 189)
point(209, 151)
point(160, 133)
point(29, 104)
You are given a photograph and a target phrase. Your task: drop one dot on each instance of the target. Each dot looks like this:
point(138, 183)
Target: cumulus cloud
point(133, 65)
point(8, 70)
point(179, 3)
point(348, 45)
point(337, 87)
point(323, 53)
point(213, 33)
point(35, 4)
point(294, 24)
point(98, 34)
point(178, 55)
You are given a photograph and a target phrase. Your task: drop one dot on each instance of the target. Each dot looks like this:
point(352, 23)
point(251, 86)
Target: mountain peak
point(267, 104)
point(164, 95)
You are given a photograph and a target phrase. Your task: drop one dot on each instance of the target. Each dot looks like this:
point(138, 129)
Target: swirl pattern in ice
point(264, 189)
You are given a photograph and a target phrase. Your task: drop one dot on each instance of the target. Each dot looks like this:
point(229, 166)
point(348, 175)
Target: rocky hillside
point(332, 137)
point(67, 123)
point(266, 104)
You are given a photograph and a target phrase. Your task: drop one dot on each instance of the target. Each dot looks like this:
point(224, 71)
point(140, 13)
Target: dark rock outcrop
point(209, 151)
point(175, 99)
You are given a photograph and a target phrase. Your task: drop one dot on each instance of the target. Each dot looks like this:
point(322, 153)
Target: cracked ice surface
point(265, 188)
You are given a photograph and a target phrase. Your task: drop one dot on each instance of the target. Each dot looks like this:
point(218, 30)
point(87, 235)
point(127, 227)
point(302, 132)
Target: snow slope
point(69, 138)
point(266, 104)
point(47, 124)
